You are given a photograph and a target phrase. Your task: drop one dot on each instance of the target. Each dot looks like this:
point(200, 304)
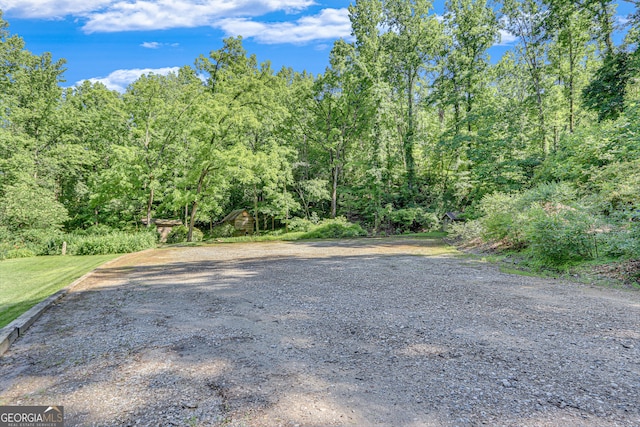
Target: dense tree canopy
point(410, 119)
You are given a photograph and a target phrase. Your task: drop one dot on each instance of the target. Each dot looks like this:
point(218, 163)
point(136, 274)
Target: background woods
point(411, 119)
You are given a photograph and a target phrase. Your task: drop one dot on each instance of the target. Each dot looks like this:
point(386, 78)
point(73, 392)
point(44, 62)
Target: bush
point(623, 242)
point(114, 243)
point(334, 228)
point(502, 218)
point(561, 236)
point(224, 230)
point(549, 192)
point(37, 239)
point(179, 234)
point(413, 219)
point(19, 253)
point(99, 230)
point(465, 231)
point(300, 224)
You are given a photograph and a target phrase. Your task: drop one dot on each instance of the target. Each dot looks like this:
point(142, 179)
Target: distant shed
point(163, 226)
point(242, 221)
point(451, 217)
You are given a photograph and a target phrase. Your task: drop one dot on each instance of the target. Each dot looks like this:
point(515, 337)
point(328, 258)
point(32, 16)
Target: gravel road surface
point(367, 332)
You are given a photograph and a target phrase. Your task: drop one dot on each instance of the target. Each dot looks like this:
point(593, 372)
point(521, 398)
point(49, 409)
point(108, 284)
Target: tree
point(606, 92)
point(472, 28)
point(410, 44)
point(92, 124)
point(161, 112)
point(340, 112)
point(239, 115)
point(526, 19)
point(27, 205)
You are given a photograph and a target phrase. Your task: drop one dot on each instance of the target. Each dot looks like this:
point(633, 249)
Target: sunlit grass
point(24, 282)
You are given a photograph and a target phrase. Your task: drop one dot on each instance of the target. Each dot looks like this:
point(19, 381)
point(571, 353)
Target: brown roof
point(163, 222)
point(234, 214)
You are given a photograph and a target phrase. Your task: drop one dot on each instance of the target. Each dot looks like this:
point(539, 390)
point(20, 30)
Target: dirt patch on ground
point(626, 272)
point(362, 332)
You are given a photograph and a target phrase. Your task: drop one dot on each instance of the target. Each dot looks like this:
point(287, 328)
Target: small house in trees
point(242, 221)
point(163, 226)
point(449, 218)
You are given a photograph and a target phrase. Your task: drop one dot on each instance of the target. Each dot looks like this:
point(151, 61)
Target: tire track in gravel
point(361, 332)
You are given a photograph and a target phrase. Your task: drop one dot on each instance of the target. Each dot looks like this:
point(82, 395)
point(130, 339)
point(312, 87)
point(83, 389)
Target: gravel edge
point(19, 326)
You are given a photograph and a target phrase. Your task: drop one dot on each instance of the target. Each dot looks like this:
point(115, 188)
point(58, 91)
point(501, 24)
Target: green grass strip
point(24, 282)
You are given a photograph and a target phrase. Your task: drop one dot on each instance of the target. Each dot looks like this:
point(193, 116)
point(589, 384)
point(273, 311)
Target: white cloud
point(233, 16)
point(158, 45)
point(132, 15)
point(151, 45)
point(163, 14)
point(52, 8)
point(622, 20)
point(506, 38)
point(328, 24)
point(120, 79)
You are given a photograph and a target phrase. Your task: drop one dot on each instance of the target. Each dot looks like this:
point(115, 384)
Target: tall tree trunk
point(571, 83)
point(408, 139)
point(334, 191)
point(194, 204)
point(149, 205)
point(255, 208)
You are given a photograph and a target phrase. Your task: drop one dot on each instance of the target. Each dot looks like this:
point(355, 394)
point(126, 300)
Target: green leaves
point(26, 205)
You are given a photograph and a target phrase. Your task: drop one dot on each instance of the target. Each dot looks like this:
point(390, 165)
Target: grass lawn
point(24, 282)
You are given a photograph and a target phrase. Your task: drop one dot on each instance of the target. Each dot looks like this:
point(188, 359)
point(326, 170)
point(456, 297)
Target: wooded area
point(410, 120)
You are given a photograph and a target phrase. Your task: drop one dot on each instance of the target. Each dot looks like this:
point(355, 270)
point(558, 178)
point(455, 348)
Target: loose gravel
point(371, 332)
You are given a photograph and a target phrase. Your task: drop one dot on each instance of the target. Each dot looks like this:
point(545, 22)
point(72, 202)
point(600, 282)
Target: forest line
point(410, 120)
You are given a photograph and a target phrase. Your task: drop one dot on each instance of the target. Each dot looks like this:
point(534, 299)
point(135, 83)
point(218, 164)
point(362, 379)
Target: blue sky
point(115, 41)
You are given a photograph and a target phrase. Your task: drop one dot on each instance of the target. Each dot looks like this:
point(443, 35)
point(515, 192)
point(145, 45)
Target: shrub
point(334, 228)
point(413, 219)
point(99, 230)
point(38, 239)
point(114, 243)
point(550, 192)
point(224, 230)
point(179, 234)
point(560, 236)
point(299, 224)
point(465, 231)
point(19, 253)
point(502, 218)
point(623, 241)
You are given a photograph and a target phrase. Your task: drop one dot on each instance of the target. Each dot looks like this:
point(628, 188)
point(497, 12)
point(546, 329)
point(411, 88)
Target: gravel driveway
point(390, 332)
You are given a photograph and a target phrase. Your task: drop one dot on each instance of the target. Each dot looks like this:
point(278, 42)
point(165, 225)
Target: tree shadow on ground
point(371, 339)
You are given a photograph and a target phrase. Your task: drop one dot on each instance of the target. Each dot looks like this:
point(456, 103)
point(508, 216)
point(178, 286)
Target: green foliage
point(223, 230)
point(412, 219)
point(606, 92)
point(179, 235)
point(31, 241)
point(558, 235)
point(549, 192)
point(333, 229)
point(299, 224)
point(18, 253)
point(623, 241)
point(468, 231)
point(99, 230)
point(616, 186)
point(113, 243)
point(502, 217)
point(404, 122)
point(29, 206)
